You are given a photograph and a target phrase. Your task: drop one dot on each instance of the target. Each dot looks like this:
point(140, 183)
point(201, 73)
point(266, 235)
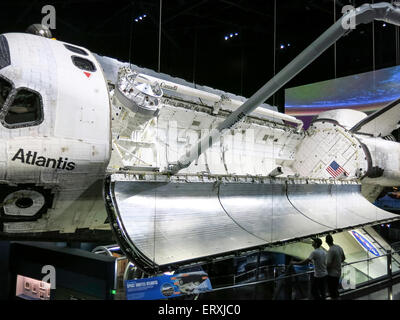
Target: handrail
point(255, 269)
point(262, 281)
point(366, 231)
point(299, 274)
point(372, 258)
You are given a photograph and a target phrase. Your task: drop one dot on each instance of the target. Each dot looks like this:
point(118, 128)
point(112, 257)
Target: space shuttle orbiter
point(179, 174)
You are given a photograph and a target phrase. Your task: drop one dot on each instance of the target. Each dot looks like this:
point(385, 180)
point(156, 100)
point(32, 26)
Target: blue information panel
point(167, 286)
point(365, 243)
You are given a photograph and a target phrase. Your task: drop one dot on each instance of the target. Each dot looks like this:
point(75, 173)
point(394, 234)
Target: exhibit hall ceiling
point(225, 44)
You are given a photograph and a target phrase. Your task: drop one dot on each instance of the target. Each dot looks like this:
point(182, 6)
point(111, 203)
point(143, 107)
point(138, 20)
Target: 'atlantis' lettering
point(32, 158)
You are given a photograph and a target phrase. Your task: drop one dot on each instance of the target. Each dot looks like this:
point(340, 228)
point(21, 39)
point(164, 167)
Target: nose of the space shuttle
point(55, 128)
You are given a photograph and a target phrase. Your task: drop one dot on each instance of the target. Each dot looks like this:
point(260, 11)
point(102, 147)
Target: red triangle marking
point(87, 74)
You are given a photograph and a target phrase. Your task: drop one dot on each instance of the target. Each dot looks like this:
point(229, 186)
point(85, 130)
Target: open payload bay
point(163, 221)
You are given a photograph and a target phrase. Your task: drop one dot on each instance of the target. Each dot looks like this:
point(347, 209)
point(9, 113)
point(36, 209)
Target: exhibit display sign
point(367, 245)
point(167, 286)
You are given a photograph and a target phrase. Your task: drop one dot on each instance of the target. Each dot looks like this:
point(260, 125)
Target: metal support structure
point(274, 38)
point(389, 273)
point(373, 45)
point(258, 265)
point(334, 45)
point(159, 38)
point(389, 263)
point(361, 15)
point(397, 41)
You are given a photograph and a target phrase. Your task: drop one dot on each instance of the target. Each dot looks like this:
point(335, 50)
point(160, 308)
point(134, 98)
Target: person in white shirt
point(318, 259)
point(334, 260)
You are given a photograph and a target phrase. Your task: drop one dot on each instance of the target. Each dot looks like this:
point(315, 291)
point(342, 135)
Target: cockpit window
point(25, 109)
point(5, 89)
point(76, 49)
point(4, 52)
point(83, 64)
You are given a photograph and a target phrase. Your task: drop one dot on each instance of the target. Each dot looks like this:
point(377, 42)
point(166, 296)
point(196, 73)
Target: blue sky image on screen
point(364, 92)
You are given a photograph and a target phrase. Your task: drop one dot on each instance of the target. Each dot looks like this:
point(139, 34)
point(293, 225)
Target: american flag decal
point(335, 170)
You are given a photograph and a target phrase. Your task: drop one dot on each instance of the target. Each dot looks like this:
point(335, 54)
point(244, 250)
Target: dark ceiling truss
point(245, 8)
point(25, 13)
point(184, 11)
point(115, 15)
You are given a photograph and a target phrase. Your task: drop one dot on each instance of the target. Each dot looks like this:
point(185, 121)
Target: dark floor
point(384, 294)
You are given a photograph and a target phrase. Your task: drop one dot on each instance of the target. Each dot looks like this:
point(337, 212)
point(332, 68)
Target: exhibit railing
point(282, 282)
point(288, 282)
